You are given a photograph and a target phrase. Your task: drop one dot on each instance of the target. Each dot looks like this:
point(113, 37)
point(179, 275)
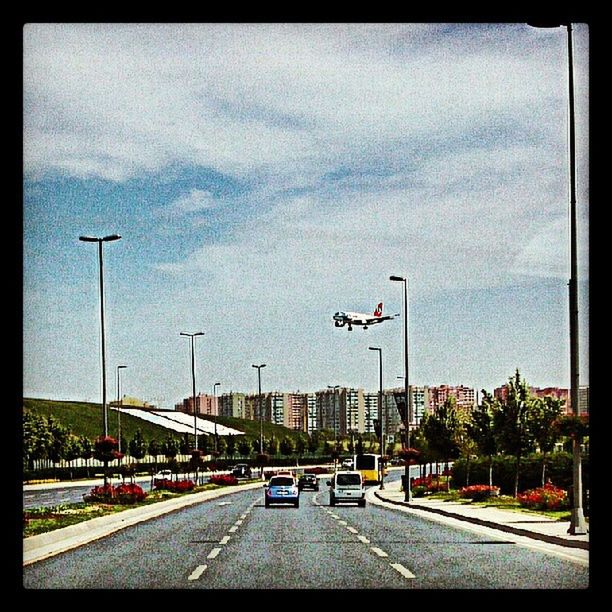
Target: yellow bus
point(369, 466)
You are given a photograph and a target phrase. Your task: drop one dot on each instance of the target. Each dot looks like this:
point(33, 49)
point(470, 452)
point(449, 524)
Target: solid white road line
point(213, 553)
point(197, 572)
point(224, 540)
point(402, 570)
point(379, 552)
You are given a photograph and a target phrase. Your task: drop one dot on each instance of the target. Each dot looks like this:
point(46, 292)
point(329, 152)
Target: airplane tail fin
point(379, 310)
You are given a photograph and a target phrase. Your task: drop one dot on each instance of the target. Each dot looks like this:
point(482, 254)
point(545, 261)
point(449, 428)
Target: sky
point(264, 176)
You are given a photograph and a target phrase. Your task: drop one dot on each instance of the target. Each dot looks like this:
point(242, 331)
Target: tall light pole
point(119, 403)
point(408, 408)
point(380, 413)
point(578, 524)
point(192, 338)
point(109, 238)
point(217, 384)
point(334, 388)
point(263, 365)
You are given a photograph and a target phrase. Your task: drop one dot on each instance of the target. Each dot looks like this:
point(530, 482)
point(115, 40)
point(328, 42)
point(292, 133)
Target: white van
point(346, 486)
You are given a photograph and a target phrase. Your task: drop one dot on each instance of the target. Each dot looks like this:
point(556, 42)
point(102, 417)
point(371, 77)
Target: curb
point(44, 545)
point(484, 523)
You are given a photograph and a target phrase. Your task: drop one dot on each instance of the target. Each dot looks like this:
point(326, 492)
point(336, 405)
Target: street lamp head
point(397, 278)
point(374, 348)
point(103, 239)
point(120, 367)
point(191, 335)
point(546, 24)
point(263, 365)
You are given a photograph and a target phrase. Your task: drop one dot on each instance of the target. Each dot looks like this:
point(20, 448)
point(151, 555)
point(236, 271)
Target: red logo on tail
point(378, 311)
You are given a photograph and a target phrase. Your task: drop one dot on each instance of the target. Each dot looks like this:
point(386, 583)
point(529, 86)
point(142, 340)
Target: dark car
point(308, 481)
point(241, 470)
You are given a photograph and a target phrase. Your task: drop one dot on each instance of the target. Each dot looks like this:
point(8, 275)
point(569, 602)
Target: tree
point(286, 446)
point(441, 429)
point(231, 445)
point(300, 446)
point(86, 450)
point(73, 449)
point(137, 446)
point(37, 438)
point(481, 429)
point(170, 448)
point(222, 446)
point(59, 439)
point(543, 424)
point(511, 423)
point(244, 447)
point(359, 446)
point(314, 442)
point(185, 446)
point(271, 446)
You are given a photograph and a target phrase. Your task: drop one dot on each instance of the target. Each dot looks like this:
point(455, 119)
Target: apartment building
point(205, 405)
point(465, 397)
point(233, 405)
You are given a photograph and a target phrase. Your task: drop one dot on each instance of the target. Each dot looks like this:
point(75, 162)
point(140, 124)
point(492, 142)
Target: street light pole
point(333, 388)
point(192, 338)
point(578, 524)
point(119, 404)
point(109, 238)
point(217, 384)
point(380, 414)
point(263, 365)
point(408, 409)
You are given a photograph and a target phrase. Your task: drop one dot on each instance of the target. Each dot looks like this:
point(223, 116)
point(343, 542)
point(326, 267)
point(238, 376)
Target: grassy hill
point(86, 419)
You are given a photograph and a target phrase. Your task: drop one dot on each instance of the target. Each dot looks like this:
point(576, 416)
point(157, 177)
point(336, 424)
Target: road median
point(44, 545)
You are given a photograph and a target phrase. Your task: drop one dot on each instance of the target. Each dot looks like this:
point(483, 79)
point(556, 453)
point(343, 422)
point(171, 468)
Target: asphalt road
point(234, 542)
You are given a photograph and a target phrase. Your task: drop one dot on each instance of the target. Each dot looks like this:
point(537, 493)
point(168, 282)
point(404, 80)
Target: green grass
point(503, 502)
point(86, 419)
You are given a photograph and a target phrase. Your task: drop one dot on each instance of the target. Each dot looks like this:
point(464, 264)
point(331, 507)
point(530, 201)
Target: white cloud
point(196, 200)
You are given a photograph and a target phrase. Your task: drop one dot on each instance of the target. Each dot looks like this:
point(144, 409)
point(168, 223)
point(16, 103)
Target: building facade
point(205, 405)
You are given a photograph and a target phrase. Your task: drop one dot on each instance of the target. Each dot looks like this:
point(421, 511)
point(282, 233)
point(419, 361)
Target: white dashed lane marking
point(213, 553)
point(402, 570)
point(197, 572)
point(379, 552)
point(224, 540)
point(363, 539)
point(352, 529)
point(233, 529)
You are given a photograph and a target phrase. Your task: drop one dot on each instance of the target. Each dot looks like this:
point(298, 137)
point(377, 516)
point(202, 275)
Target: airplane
point(359, 318)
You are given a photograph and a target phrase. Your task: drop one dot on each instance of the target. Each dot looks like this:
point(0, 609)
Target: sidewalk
point(534, 526)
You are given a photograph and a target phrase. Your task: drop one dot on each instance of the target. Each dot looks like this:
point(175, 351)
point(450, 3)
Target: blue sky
point(264, 176)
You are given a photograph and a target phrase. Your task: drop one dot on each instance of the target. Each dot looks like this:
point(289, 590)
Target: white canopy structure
point(179, 421)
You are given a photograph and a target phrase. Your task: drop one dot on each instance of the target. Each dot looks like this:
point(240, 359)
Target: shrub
point(176, 486)
point(121, 494)
point(547, 497)
point(223, 479)
point(429, 484)
point(478, 492)
point(419, 491)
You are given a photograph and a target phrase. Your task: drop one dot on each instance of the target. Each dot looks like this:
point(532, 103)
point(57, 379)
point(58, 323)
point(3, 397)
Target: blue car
point(282, 490)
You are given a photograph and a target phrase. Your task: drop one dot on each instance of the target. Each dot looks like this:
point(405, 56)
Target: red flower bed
point(547, 497)
point(176, 486)
point(478, 492)
point(430, 484)
point(121, 494)
point(223, 479)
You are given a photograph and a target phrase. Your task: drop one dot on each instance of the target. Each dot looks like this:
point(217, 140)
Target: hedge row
point(75, 473)
point(558, 469)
